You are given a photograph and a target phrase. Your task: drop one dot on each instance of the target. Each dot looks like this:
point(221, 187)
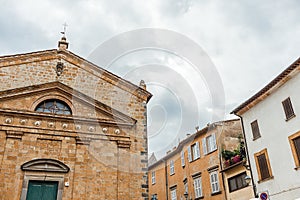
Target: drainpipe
point(167, 185)
point(246, 146)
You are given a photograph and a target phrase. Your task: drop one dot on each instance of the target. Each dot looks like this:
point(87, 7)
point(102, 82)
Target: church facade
point(70, 129)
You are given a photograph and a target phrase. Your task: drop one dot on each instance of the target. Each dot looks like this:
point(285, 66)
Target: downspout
point(246, 146)
point(220, 163)
point(167, 185)
point(223, 179)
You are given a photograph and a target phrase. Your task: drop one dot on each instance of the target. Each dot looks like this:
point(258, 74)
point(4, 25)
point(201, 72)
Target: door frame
point(39, 176)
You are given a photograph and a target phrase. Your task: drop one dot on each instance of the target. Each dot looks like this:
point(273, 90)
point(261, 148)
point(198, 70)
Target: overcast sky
point(248, 43)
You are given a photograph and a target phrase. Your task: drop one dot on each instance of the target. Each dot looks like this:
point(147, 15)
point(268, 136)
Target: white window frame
point(214, 182)
point(153, 179)
point(173, 194)
point(196, 151)
point(186, 187)
point(172, 168)
point(198, 187)
point(209, 143)
point(182, 159)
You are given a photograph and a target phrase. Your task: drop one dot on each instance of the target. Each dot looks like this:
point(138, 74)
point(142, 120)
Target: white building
point(271, 122)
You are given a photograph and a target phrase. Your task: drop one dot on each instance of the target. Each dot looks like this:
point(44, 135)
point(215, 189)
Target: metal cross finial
point(65, 28)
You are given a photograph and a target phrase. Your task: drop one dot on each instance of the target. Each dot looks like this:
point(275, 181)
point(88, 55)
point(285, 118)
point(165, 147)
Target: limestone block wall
point(102, 165)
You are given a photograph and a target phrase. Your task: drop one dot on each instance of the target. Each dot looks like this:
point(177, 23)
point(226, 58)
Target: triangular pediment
point(53, 56)
point(26, 98)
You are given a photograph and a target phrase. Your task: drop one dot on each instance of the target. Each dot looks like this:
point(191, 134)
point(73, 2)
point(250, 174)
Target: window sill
point(297, 168)
point(267, 179)
point(216, 193)
point(230, 191)
point(194, 160)
point(291, 117)
point(211, 151)
point(202, 197)
point(256, 138)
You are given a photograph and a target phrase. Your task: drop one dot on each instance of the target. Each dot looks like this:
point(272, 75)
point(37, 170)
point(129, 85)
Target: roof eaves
point(251, 101)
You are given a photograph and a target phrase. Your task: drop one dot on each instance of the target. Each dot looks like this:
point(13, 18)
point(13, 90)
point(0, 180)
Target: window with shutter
point(198, 187)
point(190, 154)
point(209, 143)
point(214, 181)
point(263, 165)
point(195, 151)
point(295, 146)
point(288, 108)
point(255, 130)
point(182, 159)
point(213, 142)
point(204, 146)
point(173, 194)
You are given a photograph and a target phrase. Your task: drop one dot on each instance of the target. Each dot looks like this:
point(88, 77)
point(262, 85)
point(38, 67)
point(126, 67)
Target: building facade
point(70, 129)
point(272, 132)
point(194, 167)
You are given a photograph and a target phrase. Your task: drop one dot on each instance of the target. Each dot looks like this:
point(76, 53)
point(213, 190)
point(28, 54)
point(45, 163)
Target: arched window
point(54, 106)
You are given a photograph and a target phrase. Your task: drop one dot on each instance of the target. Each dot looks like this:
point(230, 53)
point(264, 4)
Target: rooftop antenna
point(65, 29)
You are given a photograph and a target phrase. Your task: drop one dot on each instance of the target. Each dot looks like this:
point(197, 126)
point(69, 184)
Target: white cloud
point(248, 41)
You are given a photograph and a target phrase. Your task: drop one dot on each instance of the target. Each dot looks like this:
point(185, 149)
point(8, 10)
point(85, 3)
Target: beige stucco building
point(70, 129)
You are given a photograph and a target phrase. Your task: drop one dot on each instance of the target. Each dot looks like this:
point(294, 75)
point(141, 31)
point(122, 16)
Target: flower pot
point(236, 159)
point(226, 163)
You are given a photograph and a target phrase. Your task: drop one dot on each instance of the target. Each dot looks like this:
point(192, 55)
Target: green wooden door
point(42, 190)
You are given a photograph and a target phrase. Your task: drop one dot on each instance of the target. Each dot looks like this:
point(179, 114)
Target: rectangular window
point(214, 182)
point(153, 177)
point(255, 130)
point(172, 169)
point(296, 142)
point(237, 182)
point(295, 146)
point(195, 151)
point(263, 165)
point(182, 159)
point(198, 187)
point(288, 108)
point(209, 144)
point(186, 188)
point(173, 194)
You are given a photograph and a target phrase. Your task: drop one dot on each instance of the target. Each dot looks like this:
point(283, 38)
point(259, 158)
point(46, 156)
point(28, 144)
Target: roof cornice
point(277, 82)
